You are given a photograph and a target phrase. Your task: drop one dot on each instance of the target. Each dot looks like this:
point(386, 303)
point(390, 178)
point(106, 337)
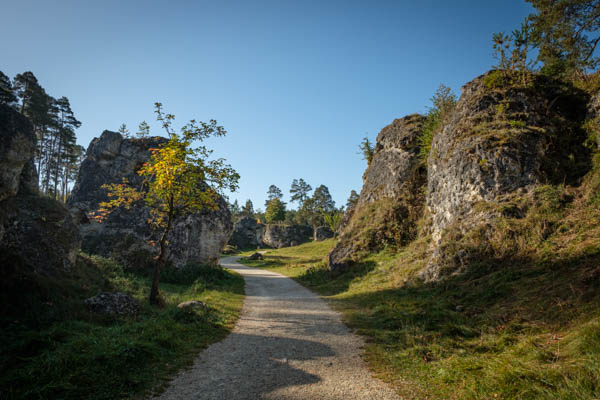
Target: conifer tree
point(567, 33)
point(248, 209)
point(7, 95)
point(273, 193)
point(300, 191)
point(275, 211)
point(143, 130)
point(352, 199)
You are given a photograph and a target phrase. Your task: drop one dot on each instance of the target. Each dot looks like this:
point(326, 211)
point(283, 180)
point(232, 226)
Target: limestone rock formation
point(391, 198)
point(247, 233)
point(125, 234)
point(17, 146)
point(38, 235)
point(501, 141)
point(279, 236)
point(395, 162)
point(322, 233)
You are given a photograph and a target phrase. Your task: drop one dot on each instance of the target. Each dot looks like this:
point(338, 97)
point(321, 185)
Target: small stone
point(192, 304)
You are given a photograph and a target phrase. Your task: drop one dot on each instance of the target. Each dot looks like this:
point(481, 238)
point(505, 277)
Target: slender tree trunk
point(154, 293)
point(49, 153)
point(56, 169)
point(40, 154)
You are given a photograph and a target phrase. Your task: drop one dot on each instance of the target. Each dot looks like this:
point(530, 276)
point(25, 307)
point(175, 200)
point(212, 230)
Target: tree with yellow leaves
point(179, 180)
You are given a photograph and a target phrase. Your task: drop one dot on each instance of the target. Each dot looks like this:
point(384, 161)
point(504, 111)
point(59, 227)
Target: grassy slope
point(82, 356)
point(507, 329)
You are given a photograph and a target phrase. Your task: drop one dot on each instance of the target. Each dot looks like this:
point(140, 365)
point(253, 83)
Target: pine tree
point(273, 193)
point(367, 150)
point(234, 209)
point(248, 209)
point(143, 130)
point(352, 200)
point(567, 33)
point(275, 211)
point(7, 95)
point(71, 164)
point(323, 201)
point(124, 131)
point(65, 141)
point(300, 191)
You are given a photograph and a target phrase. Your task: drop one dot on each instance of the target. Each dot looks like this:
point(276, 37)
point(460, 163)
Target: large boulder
point(17, 146)
point(38, 235)
point(125, 234)
point(391, 199)
point(279, 236)
point(247, 233)
point(501, 141)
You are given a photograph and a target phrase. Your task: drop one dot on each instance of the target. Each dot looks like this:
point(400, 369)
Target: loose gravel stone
point(287, 344)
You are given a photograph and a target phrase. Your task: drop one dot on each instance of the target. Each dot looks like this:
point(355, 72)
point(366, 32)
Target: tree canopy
point(300, 191)
point(275, 211)
point(352, 199)
point(567, 33)
point(57, 156)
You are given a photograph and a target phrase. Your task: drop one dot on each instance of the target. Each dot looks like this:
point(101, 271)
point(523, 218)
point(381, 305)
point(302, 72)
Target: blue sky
point(297, 84)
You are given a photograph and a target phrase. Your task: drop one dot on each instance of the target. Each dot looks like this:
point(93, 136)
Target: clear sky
point(297, 84)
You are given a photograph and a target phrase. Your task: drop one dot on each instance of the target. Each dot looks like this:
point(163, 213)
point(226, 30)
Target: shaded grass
point(85, 356)
point(518, 328)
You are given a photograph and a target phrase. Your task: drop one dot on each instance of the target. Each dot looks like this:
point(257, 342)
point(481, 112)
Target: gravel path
point(287, 344)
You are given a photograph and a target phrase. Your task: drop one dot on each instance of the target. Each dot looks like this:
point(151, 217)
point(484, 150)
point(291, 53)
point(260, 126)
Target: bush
point(194, 274)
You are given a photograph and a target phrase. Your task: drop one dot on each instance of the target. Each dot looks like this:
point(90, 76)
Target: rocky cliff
point(38, 235)
point(279, 236)
point(502, 142)
point(125, 234)
point(249, 233)
point(391, 198)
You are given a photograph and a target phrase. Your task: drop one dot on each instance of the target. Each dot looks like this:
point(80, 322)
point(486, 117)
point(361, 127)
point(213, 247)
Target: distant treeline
point(58, 155)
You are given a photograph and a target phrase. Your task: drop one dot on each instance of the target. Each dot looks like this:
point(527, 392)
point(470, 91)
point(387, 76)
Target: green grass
point(512, 329)
point(77, 355)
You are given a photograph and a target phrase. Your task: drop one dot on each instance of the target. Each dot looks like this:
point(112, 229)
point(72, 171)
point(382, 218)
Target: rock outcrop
point(125, 234)
point(501, 142)
point(247, 234)
point(38, 235)
point(17, 146)
point(279, 236)
point(504, 139)
point(322, 233)
point(391, 199)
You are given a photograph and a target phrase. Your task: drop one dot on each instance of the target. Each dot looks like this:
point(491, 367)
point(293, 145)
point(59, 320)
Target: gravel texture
point(287, 344)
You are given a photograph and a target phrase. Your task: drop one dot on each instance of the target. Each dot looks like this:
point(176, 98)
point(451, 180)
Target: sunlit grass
point(506, 330)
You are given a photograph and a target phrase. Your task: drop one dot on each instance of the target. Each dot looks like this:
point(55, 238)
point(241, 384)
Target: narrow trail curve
point(287, 344)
